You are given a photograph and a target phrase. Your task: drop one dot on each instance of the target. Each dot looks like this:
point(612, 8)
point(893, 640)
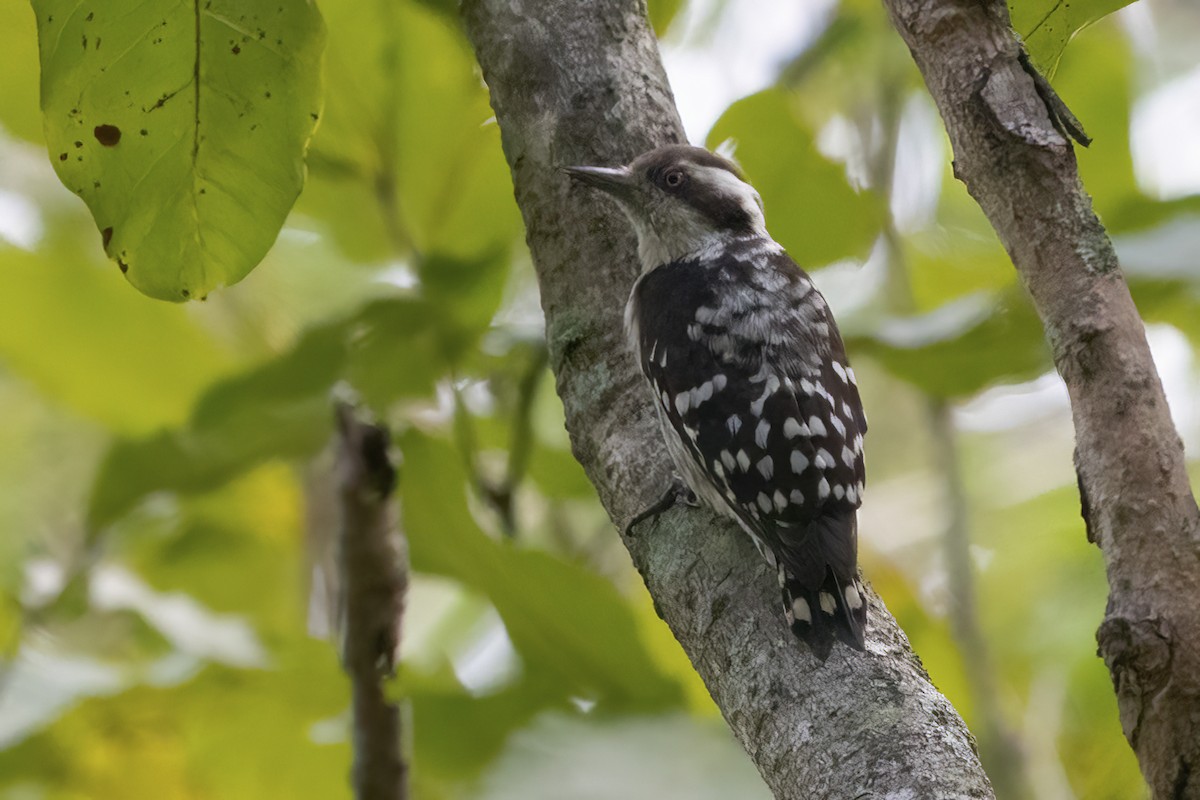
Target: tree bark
point(1136, 500)
point(585, 85)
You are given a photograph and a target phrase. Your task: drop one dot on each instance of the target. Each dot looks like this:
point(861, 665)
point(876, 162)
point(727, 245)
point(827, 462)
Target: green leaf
point(193, 739)
point(396, 351)
point(962, 347)
point(811, 209)
point(456, 734)
point(281, 409)
point(85, 341)
point(182, 126)
point(662, 13)
point(568, 624)
point(391, 349)
point(1048, 25)
point(465, 294)
point(18, 91)
point(407, 157)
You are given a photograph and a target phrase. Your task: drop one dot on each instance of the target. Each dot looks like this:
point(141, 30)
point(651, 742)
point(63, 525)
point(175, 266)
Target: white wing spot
point(805, 386)
point(719, 380)
point(828, 604)
point(791, 428)
point(705, 315)
point(734, 424)
point(764, 502)
point(850, 376)
point(761, 432)
point(799, 462)
point(743, 460)
point(822, 459)
point(840, 370)
point(838, 426)
point(848, 457)
point(780, 501)
point(797, 497)
point(851, 494)
point(858, 443)
point(847, 411)
point(662, 357)
point(756, 408)
point(683, 401)
point(853, 598)
point(727, 459)
point(839, 491)
point(800, 610)
point(694, 331)
point(702, 393)
point(666, 400)
point(717, 469)
point(767, 467)
point(816, 426)
point(823, 489)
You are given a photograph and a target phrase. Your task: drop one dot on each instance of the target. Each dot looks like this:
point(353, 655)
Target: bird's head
point(681, 200)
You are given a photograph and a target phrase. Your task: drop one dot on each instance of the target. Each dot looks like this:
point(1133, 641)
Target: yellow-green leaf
point(182, 126)
point(1047, 25)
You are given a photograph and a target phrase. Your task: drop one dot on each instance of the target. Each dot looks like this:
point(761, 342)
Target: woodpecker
point(759, 407)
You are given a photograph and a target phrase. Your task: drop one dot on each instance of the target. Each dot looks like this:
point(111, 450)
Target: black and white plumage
point(759, 406)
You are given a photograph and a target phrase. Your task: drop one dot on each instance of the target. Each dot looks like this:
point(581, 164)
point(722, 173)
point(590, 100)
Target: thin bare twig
point(372, 557)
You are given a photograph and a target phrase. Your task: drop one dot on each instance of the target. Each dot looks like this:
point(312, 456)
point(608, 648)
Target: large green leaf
point(391, 349)
point(1048, 25)
point(962, 347)
point(811, 209)
point(18, 91)
point(456, 734)
point(662, 13)
point(406, 158)
point(87, 342)
point(182, 126)
point(569, 624)
point(279, 410)
point(233, 734)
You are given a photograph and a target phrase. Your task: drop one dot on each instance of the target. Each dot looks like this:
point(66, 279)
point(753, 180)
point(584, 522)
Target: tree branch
point(1011, 153)
point(374, 579)
point(574, 86)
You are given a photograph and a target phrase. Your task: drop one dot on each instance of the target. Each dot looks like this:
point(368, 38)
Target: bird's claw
point(677, 492)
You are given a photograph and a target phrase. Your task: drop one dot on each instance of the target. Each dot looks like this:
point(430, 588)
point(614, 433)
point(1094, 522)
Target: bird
point(759, 407)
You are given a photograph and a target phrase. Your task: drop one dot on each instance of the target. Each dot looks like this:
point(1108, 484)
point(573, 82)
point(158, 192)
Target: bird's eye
point(674, 178)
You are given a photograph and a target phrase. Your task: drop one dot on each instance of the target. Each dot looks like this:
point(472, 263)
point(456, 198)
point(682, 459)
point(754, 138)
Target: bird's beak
point(616, 181)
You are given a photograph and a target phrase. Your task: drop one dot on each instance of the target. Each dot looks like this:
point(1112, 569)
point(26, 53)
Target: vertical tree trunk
point(579, 83)
point(1011, 151)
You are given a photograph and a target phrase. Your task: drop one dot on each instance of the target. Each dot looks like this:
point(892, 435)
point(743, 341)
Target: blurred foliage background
point(167, 601)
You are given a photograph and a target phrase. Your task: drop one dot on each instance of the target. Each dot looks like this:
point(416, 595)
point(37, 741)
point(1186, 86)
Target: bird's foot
point(677, 492)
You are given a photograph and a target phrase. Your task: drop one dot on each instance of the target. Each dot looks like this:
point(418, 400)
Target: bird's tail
point(817, 616)
point(823, 598)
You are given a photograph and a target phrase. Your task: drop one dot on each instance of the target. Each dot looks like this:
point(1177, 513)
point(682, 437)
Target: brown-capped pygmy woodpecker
point(759, 407)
